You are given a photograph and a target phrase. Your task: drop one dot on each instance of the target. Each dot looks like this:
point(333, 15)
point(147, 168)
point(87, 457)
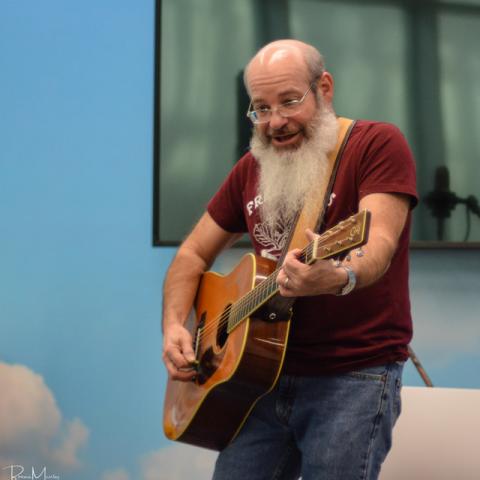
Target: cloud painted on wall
point(178, 461)
point(119, 474)
point(33, 432)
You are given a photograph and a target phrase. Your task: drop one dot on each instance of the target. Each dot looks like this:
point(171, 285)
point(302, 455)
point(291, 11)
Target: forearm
point(180, 286)
point(389, 213)
point(192, 260)
point(194, 257)
point(372, 261)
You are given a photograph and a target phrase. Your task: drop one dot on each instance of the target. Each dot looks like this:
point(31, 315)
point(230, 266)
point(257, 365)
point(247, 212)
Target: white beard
point(287, 178)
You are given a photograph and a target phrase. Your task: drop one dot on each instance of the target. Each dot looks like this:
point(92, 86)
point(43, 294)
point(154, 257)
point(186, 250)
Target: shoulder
point(385, 161)
point(367, 131)
point(370, 141)
point(375, 127)
point(247, 161)
point(245, 168)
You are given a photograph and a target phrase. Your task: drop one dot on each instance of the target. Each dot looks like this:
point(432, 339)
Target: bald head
point(304, 57)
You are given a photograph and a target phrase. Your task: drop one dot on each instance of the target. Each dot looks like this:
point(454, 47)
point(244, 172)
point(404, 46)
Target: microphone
point(441, 200)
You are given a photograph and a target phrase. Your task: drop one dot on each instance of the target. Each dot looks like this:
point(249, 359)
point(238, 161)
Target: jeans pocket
point(397, 405)
point(376, 374)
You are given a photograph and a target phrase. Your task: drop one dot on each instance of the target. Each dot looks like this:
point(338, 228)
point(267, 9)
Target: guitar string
point(243, 302)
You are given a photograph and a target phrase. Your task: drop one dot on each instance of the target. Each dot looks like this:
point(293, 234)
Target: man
point(332, 411)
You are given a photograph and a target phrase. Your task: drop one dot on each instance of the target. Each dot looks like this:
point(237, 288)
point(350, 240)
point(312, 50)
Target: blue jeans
point(320, 428)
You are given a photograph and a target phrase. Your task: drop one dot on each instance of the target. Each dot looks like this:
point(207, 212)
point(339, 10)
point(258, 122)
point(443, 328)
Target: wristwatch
point(352, 281)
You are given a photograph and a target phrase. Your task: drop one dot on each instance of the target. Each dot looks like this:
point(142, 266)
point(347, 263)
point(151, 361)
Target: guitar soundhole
point(222, 330)
point(207, 366)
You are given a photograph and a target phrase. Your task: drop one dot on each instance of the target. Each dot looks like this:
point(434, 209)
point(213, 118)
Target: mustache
point(265, 138)
point(285, 130)
point(284, 134)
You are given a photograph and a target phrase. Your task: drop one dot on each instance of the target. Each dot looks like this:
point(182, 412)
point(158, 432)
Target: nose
point(276, 121)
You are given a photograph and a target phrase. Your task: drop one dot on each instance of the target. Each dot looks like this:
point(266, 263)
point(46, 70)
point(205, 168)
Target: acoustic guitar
point(240, 332)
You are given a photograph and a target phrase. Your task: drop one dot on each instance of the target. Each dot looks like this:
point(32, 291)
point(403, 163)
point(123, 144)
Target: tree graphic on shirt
point(271, 237)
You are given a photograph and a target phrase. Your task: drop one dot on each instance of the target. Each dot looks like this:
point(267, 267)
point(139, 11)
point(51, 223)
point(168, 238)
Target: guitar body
point(235, 369)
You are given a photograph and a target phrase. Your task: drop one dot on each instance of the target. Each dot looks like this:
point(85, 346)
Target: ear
point(326, 85)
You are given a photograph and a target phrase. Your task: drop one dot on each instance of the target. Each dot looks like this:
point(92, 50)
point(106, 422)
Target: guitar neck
point(345, 236)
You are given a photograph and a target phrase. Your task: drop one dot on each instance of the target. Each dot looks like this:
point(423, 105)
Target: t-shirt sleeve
point(226, 206)
point(388, 165)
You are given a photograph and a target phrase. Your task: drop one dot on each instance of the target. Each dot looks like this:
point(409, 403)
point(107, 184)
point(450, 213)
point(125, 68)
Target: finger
point(281, 277)
point(293, 267)
point(286, 292)
point(283, 282)
point(174, 356)
point(187, 350)
point(181, 375)
point(171, 367)
point(176, 373)
point(179, 348)
point(292, 254)
point(169, 362)
point(310, 235)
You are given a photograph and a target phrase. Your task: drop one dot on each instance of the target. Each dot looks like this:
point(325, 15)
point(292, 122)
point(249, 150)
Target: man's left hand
point(296, 279)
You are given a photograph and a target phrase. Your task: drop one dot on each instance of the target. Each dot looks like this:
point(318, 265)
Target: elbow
point(388, 248)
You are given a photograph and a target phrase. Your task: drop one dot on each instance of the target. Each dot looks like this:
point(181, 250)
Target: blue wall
point(80, 284)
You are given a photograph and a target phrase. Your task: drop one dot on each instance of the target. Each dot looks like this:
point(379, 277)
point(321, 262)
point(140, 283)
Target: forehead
point(276, 78)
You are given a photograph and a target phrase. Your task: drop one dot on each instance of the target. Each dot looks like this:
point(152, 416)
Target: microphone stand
point(419, 367)
point(442, 201)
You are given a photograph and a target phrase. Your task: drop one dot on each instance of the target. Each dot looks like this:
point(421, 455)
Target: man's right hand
point(178, 354)
point(193, 258)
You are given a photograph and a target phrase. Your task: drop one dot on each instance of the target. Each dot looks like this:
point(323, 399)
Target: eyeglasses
point(287, 109)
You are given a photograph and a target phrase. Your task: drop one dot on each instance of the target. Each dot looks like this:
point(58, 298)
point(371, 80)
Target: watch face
point(352, 281)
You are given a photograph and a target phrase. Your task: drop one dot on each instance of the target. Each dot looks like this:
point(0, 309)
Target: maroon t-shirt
point(370, 326)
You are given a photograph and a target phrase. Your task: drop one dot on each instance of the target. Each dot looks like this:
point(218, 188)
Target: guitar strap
point(311, 216)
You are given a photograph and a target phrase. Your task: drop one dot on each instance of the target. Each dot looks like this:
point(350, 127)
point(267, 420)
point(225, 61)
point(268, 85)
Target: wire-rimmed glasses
point(287, 109)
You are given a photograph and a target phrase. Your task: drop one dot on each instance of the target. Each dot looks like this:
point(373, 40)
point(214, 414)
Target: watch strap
point(352, 281)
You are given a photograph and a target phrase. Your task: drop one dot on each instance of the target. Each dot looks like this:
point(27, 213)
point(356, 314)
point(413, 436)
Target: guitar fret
point(231, 317)
point(245, 311)
point(308, 254)
point(272, 288)
point(242, 311)
point(234, 320)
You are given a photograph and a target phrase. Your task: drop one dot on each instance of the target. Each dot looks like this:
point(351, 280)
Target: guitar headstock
point(343, 237)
